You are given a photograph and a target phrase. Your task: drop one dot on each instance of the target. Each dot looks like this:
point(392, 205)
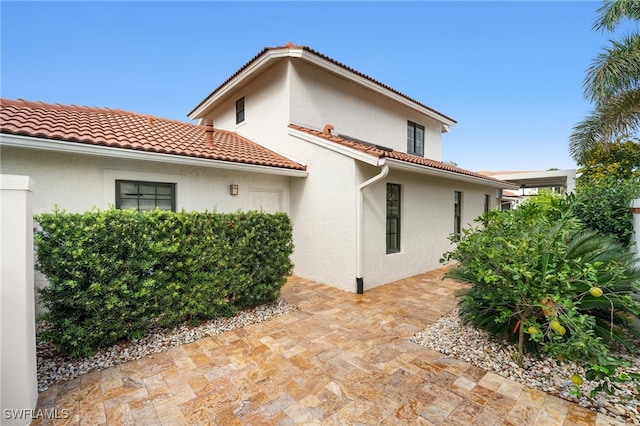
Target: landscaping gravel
point(455, 339)
point(53, 368)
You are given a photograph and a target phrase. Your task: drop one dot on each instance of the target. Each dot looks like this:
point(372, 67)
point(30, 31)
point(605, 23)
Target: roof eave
point(309, 56)
point(341, 149)
point(375, 160)
point(377, 88)
point(67, 147)
point(422, 169)
point(250, 70)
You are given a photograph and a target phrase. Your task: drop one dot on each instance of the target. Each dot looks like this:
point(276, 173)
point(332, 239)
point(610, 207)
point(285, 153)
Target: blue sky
point(510, 73)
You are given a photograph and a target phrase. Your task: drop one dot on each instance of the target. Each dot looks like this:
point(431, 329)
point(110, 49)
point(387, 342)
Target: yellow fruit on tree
point(532, 330)
point(595, 291)
point(561, 330)
point(554, 325)
point(577, 379)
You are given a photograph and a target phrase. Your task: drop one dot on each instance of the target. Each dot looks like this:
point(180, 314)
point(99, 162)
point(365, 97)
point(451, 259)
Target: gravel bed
point(53, 367)
point(450, 337)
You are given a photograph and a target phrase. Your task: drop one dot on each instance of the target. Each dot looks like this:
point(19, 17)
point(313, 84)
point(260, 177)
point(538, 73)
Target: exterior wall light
point(233, 189)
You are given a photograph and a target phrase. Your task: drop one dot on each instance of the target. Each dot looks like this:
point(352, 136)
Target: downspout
point(360, 226)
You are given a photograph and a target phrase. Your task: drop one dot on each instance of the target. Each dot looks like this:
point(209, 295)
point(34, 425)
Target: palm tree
point(612, 84)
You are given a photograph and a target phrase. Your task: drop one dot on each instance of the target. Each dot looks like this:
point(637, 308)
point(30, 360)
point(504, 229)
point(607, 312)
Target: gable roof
point(291, 50)
point(380, 152)
point(132, 131)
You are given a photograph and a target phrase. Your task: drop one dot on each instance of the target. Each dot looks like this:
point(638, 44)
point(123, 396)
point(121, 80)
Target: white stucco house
point(356, 164)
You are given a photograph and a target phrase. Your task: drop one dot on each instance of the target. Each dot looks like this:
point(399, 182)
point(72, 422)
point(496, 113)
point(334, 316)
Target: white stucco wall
point(19, 388)
point(319, 97)
point(427, 220)
point(266, 109)
point(322, 205)
point(79, 183)
point(323, 212)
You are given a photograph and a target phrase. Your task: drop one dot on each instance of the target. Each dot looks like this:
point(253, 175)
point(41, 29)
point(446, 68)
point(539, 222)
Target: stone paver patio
point(340, 359)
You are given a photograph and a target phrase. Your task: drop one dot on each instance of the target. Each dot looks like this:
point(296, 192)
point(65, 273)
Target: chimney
point(149, 121)
point(209, 132)
point(327, 129)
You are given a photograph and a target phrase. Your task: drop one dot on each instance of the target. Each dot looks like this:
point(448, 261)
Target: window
point(144, 196)
point(415, 139)
point(240, 110)
point(486, 203)
point(457, 212)
point(393, 218)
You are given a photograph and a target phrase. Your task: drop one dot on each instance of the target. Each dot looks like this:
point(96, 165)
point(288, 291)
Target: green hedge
point(116, 274)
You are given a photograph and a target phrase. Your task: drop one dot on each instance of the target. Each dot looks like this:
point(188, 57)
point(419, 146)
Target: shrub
point(603, 205)
point(547, 284)
point(115, 274)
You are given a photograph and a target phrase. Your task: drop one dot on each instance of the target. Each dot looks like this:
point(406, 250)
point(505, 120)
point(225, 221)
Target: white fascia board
point(537, 175)
point(416, 168)
point(130, 154)
point(336, 147)
point(245, 74)
point(365, 82)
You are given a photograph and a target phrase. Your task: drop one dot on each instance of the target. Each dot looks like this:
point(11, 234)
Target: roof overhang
point(259, 65)
point(540, 179)
point(271, 56)
point(335, 147)
point(333, 68)
point(431, 171)
point(54, 145)
point(398, 164)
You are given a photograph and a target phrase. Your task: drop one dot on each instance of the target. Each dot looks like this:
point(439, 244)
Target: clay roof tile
point(128, 130)
point(382, 152)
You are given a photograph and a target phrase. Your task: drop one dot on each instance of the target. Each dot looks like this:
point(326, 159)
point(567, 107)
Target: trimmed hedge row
point(116, 274)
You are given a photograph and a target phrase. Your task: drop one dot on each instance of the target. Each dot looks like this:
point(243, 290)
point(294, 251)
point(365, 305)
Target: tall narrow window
point(145, 196)
point(457, 212)
point(415, 139)
point(486, 203)
point(240, 110)
point(393, 218)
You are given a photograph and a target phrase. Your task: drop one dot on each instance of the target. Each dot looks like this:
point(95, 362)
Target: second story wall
point(319, 97)
point(266, 109)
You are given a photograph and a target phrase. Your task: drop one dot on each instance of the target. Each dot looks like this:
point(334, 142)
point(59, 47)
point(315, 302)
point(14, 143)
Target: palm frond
point(617, 118)
point(612, 12)
point(615, 70)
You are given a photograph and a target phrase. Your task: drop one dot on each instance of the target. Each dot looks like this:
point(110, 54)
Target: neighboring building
point(356, 164)
point(562, 182)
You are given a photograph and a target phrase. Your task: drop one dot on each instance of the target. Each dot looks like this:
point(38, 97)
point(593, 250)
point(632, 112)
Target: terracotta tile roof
point(120, 129)
point(383, 152)
point(327, 58)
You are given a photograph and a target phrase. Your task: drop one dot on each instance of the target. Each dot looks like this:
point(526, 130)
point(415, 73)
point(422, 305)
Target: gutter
point(413, 168)
point(360, 225)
